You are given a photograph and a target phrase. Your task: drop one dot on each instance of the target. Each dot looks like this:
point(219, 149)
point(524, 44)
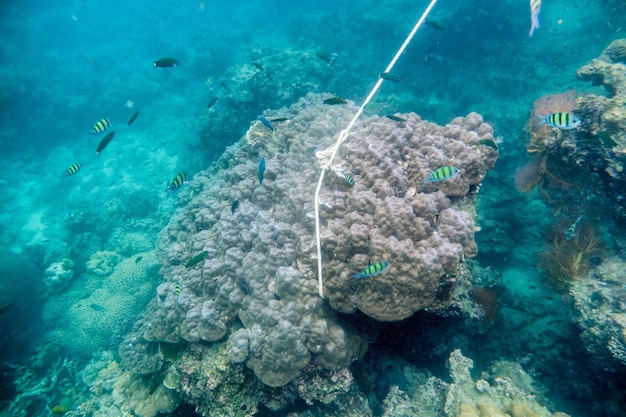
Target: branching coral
point(564, 260)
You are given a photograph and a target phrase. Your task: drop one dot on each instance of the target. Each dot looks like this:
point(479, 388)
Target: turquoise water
point(78, 261)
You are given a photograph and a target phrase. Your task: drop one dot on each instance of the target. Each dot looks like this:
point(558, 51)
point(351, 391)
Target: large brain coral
point(421, 229)
point(257, 286)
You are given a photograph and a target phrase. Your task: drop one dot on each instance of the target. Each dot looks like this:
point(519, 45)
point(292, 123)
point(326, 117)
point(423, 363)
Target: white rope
point(344, 134)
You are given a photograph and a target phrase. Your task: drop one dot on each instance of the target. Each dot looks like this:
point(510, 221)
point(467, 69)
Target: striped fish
point(181, 178)
point(440, 174)
point(73, 169)
point(560, 120)
point(372, 269)
point(535, 9)
point(349, 179)
point(100, 126)
point(177, 290)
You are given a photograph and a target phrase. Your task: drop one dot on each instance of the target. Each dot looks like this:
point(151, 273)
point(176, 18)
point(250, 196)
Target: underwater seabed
point(508, 346)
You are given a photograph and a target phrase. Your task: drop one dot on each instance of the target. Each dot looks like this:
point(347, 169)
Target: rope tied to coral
point(327, 156)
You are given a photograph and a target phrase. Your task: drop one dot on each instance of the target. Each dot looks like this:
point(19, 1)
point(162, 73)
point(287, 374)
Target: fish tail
point(535, 9)
point(534, 24)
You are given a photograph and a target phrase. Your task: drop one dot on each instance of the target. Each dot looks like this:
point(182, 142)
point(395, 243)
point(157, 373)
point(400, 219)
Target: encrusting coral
point(257, 285)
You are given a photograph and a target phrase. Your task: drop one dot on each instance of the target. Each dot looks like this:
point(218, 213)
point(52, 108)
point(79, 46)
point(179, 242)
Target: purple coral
point(256, 293)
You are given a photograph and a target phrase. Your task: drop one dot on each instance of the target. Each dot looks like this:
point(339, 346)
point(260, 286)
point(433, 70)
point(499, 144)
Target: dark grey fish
point(234, 206)
point(395, 118)
point(133, 118)
point(324, 56)
point(97, 307)
point(389, 76)
point(490, 143)
point(165, 62)
point(138, 259)
point(104, 142)
point(211, 102)
point(197, 259)
point(335, 101)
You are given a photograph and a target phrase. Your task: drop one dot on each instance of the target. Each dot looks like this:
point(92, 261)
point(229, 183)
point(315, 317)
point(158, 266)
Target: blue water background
point(65, 65)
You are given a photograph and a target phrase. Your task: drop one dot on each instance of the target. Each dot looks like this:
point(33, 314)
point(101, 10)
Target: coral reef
point(102, 263)
point(143, 398)
point(58, 275)
point(423, 230)
point(542, 136)
point(600, 305)
point(115, 392)
point(256, 291)
point(94, 312)
point(566, 259)
point(503, 392)
point(566, 157)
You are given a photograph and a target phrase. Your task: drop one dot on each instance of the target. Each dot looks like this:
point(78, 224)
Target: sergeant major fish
point(440, 174)
point(560, 120)
point(372, 269)
point(570, 233)
point(73, 169)
point(100, 126)
point(177, 182)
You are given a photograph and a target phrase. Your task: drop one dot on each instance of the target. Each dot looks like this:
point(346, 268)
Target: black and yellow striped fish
point(73, 169)
point(348, 178)
point(441, 174)
point(181, 178)
point(100, 126)
point(177, 289)
point(372, 269)
point(560, 120)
